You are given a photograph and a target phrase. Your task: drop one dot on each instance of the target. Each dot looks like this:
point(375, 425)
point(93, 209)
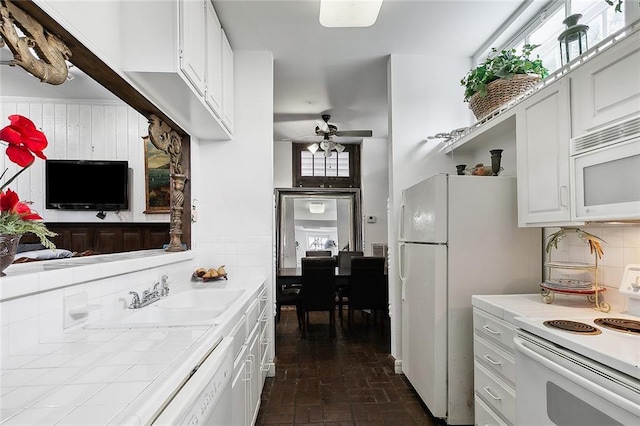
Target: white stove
point(613, 348)
point(585, 374)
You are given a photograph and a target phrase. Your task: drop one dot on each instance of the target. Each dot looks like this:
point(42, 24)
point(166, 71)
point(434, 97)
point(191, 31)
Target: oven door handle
point(521, 346)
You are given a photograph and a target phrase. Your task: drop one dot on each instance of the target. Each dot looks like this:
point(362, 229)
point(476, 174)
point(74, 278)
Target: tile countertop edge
point(33, 277)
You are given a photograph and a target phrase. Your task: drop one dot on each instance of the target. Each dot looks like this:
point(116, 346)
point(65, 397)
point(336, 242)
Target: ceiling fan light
point(349, 13)
point(313, 148)
point(339, 147)
point(325, 145)
point(327, 153)
point(316, 207)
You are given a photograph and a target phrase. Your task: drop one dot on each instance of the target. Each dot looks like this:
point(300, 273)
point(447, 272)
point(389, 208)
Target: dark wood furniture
point(368, 288)
point(318, 253)
point(344, 262)
point(318, 290)
point(106, 237)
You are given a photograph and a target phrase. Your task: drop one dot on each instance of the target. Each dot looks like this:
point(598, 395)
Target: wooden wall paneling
point(122, 134)
point(79, 239)
point(73, 131)
point(97, 132)
point(60, 128)
point(157, 238)
point(85, 148)
point(132, 239)
point(110, 133)
point(109, 240)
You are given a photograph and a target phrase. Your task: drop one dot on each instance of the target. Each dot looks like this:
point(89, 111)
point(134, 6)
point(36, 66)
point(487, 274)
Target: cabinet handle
point(487, 390)
point(490, 330)
point(563, 196)
point(488, 358)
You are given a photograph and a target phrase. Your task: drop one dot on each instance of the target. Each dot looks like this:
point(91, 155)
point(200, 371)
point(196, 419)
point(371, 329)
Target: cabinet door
point(192, 42)
point(607, 87)
point(227, 83)
point(213, 95)
point(253, 347)
point(239, 390)
point(542, 145)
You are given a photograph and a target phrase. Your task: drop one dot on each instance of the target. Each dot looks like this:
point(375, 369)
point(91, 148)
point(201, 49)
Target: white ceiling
point(343, 71)
point(339, 71)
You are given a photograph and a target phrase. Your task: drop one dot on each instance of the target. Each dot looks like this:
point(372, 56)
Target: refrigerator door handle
point(401, 221)
point(401, 253)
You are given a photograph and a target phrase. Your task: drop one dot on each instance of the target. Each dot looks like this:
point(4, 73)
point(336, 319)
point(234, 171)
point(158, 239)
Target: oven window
point(625, 172)
point(565, 409)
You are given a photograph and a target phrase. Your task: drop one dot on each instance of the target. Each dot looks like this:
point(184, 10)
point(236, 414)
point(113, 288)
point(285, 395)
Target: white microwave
point(605, 170)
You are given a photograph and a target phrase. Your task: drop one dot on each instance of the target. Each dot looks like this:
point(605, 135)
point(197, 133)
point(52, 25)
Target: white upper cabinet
point(213, 91)
point(606, 88)
point(175, 58)
point(227, 85)
point(542, 144)
point(193, 42)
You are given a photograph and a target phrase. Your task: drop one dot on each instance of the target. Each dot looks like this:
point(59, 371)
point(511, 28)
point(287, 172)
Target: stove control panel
point(630, 287)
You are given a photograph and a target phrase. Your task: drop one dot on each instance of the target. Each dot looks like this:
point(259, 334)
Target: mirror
point(316, 219)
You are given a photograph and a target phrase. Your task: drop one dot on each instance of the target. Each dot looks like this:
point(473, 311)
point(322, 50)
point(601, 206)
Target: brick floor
point(348, 380)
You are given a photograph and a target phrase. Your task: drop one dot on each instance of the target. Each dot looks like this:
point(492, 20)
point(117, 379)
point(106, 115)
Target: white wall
point(423, 100)
point(232, 181)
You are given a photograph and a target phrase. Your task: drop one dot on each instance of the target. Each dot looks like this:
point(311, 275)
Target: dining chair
point(344, 263)
point(288, 295)
point(368, 286)
point(318, 253)
point(318, 289)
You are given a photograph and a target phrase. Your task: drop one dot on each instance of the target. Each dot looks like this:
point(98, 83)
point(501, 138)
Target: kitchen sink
point(189, 307)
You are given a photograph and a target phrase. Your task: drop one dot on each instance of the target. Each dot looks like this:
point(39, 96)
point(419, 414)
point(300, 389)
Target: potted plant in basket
point(24, 142)
point(500, 78)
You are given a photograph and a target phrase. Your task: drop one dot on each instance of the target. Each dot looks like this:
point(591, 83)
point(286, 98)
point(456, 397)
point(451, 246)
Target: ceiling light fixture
point(349, 13)
point(317, 208)
point(327, 145)
point(313, 148)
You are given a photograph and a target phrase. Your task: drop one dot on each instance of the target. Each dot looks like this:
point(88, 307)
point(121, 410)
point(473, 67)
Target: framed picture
point(157, 179)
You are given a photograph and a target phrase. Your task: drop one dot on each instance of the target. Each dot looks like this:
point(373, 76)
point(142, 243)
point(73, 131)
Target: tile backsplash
point(621, 247)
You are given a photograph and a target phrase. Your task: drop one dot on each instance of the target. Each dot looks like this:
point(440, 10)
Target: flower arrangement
point(24, 142)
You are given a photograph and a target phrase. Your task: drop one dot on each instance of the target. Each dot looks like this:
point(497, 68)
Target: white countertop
point(510, 306)
point(103, 376)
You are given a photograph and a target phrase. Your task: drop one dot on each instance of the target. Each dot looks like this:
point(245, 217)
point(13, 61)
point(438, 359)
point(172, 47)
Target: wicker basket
point(500, 92)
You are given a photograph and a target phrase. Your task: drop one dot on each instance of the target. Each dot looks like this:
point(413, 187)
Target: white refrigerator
point(458, 237)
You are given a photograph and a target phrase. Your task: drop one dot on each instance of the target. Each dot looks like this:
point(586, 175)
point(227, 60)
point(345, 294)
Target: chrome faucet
point(135, 302)
point(164, 289)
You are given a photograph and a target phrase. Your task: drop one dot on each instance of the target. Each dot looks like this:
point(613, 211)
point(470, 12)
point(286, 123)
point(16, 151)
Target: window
point(340, 170)
point(544, 30)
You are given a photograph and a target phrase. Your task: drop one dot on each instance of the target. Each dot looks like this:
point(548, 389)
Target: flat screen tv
point(87, 185)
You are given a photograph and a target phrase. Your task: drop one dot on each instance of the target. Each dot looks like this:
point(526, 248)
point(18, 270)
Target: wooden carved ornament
point(166, 139)
point(49, 61)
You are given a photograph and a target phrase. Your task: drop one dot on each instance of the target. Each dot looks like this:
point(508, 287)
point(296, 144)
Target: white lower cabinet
point(494, 370)
point(239, 387)
point(251, 339)
point(253, 374)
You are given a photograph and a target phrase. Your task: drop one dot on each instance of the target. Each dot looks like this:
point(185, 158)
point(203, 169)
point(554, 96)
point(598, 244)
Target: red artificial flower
point(10, 202)
point(24, 140)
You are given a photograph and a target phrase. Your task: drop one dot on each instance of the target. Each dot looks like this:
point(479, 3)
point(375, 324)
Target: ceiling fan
point(328, 131)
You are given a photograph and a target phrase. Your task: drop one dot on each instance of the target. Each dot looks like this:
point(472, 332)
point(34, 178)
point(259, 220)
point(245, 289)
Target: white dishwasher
point(204, 399)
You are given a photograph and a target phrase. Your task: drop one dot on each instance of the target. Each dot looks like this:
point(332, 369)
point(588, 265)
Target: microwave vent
point(607, 136)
